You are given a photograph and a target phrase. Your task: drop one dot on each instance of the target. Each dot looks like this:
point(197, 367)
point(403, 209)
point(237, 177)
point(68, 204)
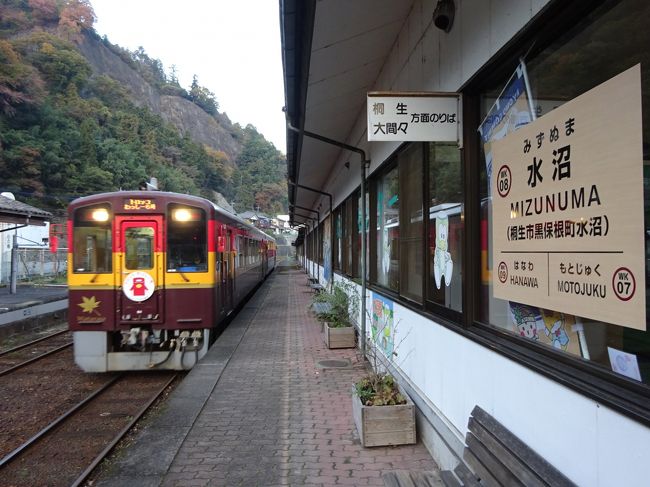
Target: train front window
point(92, 242)
point(187, 249)
point(138, 243)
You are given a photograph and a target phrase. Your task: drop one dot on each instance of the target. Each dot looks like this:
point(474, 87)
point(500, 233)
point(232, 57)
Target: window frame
point(587, 378)
point(455, 316)
point(389, 165)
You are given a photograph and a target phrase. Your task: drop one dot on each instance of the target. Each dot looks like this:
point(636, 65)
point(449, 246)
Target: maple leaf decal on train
point(88, 305)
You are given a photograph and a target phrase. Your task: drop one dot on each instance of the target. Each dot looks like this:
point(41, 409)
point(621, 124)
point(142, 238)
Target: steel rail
point(11, 456)
point(33, 342)
point(35, 359)
point(86, 473)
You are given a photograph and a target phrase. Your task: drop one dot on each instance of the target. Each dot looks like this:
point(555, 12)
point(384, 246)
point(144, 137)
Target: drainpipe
point(365, 162)
point(329, 197)
point(307, 217)
point(317, 235)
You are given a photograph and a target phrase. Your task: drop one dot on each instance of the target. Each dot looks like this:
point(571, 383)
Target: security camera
point(443, 15)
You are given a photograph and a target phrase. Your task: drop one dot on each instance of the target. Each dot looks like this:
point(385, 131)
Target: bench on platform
point(498, 457)
point(312, 280)
point(411, 479)
point(316, 287)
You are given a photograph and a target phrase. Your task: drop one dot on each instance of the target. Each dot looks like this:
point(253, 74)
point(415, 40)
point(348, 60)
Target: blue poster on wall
point(383, 327)
point(327, 250)
point(512, 109)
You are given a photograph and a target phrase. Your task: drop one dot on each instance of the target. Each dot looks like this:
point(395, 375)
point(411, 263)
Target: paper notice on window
point(624, 363)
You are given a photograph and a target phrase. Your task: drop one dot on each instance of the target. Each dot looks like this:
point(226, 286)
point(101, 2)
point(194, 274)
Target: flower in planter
point(379, 390)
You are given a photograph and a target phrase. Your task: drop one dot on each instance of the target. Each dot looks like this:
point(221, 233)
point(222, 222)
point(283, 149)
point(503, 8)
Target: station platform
point(262, 409)
point(30, 303)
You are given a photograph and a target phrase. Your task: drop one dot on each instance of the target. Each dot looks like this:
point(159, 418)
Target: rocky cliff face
point(184, 115)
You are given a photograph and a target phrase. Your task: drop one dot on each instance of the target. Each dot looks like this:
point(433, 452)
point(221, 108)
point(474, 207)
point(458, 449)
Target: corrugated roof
point(12, 211)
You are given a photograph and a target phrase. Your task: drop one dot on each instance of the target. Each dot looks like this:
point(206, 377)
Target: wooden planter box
point(384, 425)
point(339, 337)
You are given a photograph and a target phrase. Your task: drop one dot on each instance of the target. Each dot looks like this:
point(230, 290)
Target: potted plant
point(383, 414)
point(338, 329)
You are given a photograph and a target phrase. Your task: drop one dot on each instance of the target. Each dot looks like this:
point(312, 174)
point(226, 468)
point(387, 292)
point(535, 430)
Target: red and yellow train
point(152, 275)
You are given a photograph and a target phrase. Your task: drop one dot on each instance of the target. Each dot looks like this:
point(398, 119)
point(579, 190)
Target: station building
point(505, 268)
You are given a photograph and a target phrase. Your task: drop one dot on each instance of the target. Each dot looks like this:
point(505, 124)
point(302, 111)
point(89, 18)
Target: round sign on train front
point(138, 286)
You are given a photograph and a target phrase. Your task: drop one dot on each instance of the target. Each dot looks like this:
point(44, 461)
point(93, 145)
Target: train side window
point(92, 240)
point(187, 247)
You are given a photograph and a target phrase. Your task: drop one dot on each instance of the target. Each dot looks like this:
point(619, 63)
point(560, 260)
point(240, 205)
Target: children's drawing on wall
point(442, 263)
point(527, 320)
point(551, 328)
point(382, 324)
point(560, 331)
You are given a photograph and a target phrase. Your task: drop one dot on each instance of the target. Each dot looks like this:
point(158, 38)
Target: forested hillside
point(79, 115)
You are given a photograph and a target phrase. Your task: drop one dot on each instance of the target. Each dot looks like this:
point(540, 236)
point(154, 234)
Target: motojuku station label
point(567, 199)
point(413, 117)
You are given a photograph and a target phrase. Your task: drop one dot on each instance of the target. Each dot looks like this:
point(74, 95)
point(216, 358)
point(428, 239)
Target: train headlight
point(182, 215)
point(100, 215)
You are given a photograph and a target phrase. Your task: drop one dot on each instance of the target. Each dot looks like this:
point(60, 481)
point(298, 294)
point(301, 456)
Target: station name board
point(413, 117)
point(567, 200)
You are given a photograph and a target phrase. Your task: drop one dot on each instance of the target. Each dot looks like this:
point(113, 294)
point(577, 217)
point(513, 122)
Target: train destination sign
point(399, 116)
point(139, 204)
point(567, 200)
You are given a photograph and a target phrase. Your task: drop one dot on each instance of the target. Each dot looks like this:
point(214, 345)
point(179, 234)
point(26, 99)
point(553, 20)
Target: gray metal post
point(14, 264)
point(363, 258)
point(364, 161)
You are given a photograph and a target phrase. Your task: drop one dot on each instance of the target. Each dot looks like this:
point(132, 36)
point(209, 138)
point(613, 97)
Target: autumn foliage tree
point(75, 17)
point(66, 132)
point(19, 83)
point(44, 10)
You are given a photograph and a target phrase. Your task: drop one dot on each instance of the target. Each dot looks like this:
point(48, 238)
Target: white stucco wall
point(590, 443)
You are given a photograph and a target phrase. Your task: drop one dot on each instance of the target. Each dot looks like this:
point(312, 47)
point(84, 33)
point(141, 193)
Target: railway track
point(27, 353)
point(66, 451)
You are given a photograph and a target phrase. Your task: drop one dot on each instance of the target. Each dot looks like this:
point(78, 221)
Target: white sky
point(233, 46)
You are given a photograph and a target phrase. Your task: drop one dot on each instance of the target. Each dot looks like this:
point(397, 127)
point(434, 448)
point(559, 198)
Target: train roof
point(167, 197)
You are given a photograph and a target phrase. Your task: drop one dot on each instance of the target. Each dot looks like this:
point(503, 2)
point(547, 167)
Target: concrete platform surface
point(258, 410)
point(27, 295)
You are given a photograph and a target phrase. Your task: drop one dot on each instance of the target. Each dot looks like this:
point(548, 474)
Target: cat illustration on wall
point(442, 263)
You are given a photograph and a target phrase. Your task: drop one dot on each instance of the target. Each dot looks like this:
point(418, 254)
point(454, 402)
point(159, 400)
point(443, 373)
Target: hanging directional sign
point(400, 116)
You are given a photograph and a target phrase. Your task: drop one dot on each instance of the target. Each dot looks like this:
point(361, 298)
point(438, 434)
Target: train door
point(229, 274)
point(140, 269)
point(264, 257)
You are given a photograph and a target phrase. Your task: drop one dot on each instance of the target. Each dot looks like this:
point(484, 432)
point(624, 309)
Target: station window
point(92, 235)
point(351, 236)
point(187, 248)
point(591, 52)
point(321, 242)
point(338, 239)
point(446, 226)
point(385, 202)
point(410, 162)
